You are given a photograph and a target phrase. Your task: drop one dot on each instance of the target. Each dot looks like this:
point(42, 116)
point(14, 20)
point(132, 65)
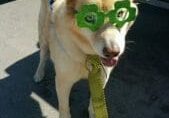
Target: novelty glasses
point(90, 16)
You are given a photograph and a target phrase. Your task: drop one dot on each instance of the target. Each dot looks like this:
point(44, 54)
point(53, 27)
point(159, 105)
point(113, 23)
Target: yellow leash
point(96, 87)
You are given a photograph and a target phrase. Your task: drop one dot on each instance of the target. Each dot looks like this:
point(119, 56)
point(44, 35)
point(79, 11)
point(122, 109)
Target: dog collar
point(94, 67)
point(51, 4)
point(90, 16)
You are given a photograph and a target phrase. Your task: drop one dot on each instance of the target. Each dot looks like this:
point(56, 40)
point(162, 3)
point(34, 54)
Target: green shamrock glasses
point(90, 16)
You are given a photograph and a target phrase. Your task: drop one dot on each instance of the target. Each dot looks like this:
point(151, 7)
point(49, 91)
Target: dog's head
point(99, 27)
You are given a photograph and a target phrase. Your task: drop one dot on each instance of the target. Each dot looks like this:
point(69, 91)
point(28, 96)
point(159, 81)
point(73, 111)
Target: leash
point(96, 86)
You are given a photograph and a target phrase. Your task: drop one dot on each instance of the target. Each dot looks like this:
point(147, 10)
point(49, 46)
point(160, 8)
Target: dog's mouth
point(109, 62)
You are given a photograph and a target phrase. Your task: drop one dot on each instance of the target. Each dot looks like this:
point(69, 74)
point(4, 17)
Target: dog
point(68, 45)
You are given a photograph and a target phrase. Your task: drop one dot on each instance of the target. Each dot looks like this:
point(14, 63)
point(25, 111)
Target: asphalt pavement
point(138, 88)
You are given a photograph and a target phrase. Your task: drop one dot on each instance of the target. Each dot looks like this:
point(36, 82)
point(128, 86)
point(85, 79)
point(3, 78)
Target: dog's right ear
point(135, 1)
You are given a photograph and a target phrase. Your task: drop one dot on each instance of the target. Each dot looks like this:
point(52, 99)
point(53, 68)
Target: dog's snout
point(111, 52)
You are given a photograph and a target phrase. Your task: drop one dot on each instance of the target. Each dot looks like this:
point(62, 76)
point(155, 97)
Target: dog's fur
point(69, 45)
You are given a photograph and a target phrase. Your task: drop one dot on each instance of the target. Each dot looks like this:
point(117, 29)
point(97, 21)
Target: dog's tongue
point(109, 61)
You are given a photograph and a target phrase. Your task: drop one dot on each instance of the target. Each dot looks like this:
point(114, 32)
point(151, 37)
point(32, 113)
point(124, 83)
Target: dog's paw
point(38, 77)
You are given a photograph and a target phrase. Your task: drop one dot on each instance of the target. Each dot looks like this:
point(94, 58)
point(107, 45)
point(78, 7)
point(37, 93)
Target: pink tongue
point(109, 62)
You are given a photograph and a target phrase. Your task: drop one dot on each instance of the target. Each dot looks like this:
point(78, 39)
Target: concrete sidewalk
point(138, 88)
point(19, 57)
point(18, 31)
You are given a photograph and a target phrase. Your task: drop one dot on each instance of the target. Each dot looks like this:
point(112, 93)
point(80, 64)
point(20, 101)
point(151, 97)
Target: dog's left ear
point(134, 1)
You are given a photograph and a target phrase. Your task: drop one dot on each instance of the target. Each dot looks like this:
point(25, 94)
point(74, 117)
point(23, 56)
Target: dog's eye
point(91, 18)
point(75, 11)
point(122, 14)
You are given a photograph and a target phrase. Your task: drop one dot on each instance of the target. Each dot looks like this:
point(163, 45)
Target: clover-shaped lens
point(122, 13)
point(90, 17)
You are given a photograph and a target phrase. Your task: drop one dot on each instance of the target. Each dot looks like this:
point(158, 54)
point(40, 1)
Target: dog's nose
point(111, 52)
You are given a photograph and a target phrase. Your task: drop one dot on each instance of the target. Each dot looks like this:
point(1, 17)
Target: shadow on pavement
point(16, 90)
point(5, 1)
point(139, 87)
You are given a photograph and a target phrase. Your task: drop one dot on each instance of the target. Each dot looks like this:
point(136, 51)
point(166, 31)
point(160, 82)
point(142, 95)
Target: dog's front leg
point(63, 88)
point(44, 55)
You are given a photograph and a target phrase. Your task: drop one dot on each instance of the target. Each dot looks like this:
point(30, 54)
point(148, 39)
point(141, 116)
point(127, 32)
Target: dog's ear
point(70, 4)
point(135, 1)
